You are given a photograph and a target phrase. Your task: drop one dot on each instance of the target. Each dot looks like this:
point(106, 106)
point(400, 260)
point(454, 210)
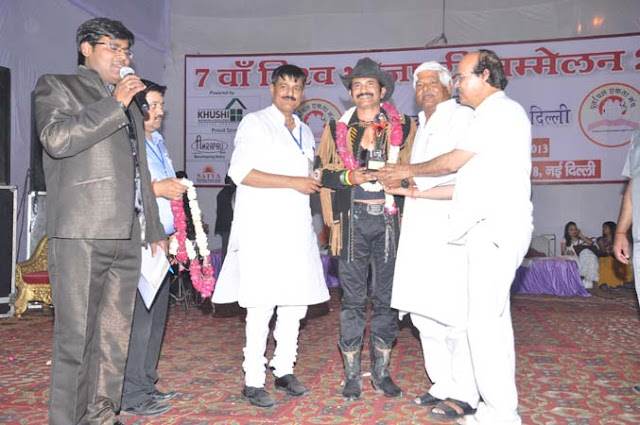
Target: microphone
point(140, 98)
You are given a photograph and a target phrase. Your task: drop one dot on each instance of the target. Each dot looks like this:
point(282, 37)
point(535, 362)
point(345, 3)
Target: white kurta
point(491, 213)
point(273, 256)
point(430, 278)
point(495, 184)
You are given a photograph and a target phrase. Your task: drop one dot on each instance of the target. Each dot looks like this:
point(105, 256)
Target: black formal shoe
point(148, 407)
point(160, 396)
point(258, 397)
point(290, 385)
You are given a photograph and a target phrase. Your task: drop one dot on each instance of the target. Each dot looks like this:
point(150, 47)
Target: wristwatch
point(405, 183)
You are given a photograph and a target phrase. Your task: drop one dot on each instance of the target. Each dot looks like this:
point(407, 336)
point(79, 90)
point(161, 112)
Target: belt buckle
point(375, 209)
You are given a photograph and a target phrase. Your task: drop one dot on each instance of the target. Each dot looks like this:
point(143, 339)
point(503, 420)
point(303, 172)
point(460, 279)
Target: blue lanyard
point(298, 142)
point(160, 156)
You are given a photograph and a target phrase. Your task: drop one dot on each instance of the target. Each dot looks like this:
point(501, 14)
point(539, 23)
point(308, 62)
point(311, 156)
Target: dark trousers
point(373, 243)
point(225, 243)
point(93, 285)
point(144, 347)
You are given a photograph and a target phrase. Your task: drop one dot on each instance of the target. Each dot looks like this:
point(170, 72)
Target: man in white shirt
point(629, 215)
point(430, 280)
point(491, 215)
point(273, 259)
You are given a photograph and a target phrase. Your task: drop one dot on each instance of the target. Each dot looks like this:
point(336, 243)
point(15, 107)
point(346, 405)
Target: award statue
point(375, 157)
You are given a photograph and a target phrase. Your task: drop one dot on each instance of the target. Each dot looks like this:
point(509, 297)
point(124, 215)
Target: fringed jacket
point(337, 198)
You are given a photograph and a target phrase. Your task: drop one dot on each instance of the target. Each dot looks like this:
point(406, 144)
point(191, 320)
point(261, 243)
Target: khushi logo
point(233, 112)
point(610, 114)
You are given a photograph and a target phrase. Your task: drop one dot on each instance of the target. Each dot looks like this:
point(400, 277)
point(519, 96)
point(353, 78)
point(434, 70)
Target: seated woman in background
point(605, 242)
point(575, 243)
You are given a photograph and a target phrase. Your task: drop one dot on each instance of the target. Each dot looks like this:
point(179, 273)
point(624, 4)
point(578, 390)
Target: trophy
point(375, 157)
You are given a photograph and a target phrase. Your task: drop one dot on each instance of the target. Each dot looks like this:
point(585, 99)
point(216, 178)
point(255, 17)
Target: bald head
point(480, 74)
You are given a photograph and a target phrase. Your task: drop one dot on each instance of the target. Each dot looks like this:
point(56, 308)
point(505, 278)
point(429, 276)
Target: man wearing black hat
point(363, 219)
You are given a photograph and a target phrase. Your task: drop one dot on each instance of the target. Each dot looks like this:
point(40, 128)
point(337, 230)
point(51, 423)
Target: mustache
point(364, 94)
point(289, 98)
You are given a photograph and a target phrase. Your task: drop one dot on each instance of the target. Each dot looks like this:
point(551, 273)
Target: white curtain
point(147, 19)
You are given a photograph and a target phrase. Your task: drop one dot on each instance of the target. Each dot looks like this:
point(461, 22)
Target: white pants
point(285, 334)
point(589, 267)
point(447, 360)
point(491, 272)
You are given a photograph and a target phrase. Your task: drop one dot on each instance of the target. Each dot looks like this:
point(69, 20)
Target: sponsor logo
point(610, 114)
point(316, 113)
point(232, 113)
point(208, 148)
point(209, 145)
point(208, 175)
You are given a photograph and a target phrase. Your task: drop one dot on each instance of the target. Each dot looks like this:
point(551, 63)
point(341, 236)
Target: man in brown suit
point(100, 209)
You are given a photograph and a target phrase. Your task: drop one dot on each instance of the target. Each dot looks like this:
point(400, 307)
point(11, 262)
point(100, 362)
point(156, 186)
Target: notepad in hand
point(152, 273)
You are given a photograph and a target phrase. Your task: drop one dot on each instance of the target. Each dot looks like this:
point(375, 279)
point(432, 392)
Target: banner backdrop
point(581, 96)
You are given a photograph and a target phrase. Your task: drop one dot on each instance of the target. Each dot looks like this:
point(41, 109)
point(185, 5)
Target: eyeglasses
point(460, 77)
point(116, 48)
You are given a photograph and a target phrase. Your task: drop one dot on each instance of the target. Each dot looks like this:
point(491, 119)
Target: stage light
point(597, 21)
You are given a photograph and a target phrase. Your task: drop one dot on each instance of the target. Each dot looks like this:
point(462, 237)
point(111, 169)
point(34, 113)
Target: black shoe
point(258, 397)
point(119, 423)
point(386, 386)
point(351, 353)
point(160, 396)
point(352, 388)
point(290, 385)
point(148, 407)
point(380, 378)
point(636, 388)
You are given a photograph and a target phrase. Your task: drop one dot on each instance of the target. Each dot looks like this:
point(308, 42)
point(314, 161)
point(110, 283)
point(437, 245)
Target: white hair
point(443, 73)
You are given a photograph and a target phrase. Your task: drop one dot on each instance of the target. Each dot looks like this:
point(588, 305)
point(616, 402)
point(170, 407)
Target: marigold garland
point(349, 160)
point(193, 255)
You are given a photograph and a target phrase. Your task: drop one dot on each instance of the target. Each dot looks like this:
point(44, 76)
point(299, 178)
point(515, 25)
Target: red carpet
point(577, 362)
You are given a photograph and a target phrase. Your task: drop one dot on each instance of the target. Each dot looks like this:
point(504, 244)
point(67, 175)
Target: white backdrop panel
point(581, 94)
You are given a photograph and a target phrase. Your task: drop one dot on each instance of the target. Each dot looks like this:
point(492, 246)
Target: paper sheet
point(152, 273)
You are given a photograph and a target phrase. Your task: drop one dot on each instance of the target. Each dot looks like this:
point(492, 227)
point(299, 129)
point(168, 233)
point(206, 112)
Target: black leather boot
point(380, 377)
point(352, 371)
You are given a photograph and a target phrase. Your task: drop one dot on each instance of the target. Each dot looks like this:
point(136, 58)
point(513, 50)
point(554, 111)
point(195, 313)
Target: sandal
point(426, 399)
point(451, 413)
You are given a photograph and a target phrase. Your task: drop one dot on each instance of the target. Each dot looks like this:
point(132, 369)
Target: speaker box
point(8, 216)
point(5, 125)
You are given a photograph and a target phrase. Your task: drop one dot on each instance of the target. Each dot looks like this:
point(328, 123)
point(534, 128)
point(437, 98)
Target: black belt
point(371, 209)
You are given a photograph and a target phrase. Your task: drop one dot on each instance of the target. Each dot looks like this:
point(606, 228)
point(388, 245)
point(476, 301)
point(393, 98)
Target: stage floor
point(577, 360)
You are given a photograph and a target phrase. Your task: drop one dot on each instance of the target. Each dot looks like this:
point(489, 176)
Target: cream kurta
point(430, 274)
point(273, 256)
